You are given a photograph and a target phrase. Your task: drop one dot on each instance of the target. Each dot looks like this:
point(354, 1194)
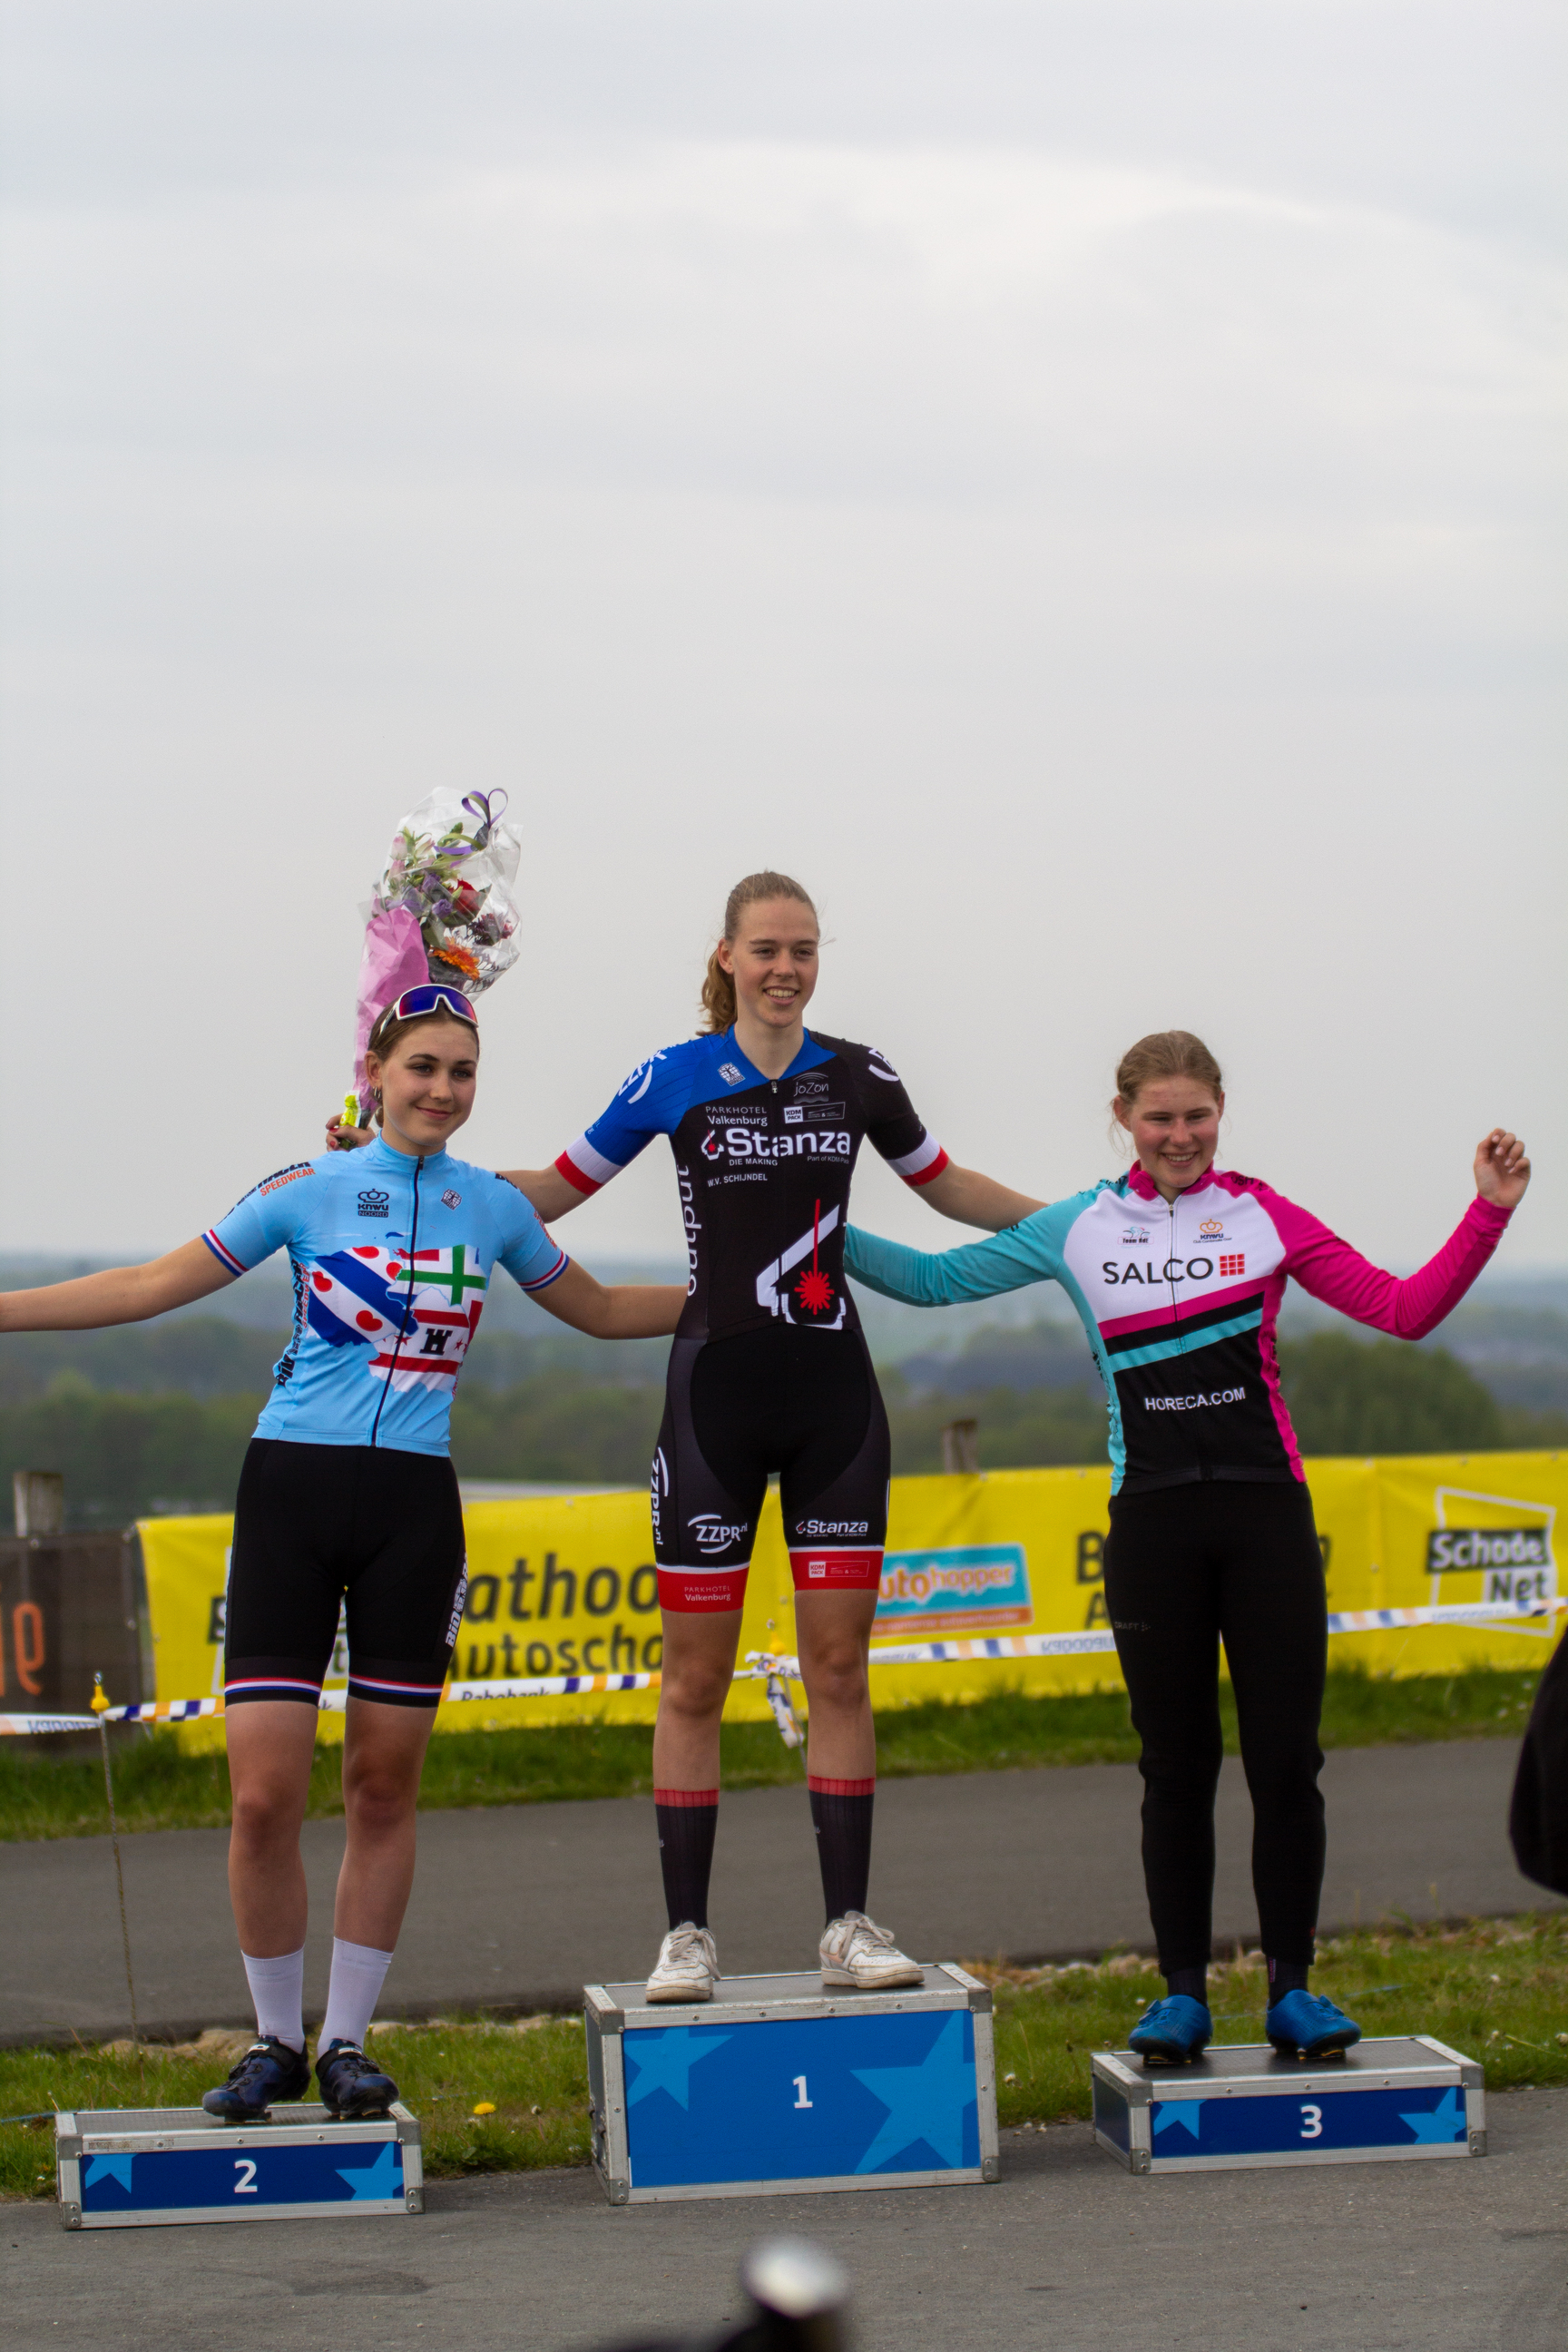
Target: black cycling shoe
point(269, 2070)
point(352, 2084)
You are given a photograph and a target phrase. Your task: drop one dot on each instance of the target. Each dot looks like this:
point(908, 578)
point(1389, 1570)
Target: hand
point(341, 1138)
point(1503, 1168)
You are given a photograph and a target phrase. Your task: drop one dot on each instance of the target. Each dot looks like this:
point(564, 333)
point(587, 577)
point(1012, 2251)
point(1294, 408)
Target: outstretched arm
point(122, 1294)
point(972, 1199)
point(1410, 1307)
point(616, 1310)
point(553, 1194)
point(1009, 1261)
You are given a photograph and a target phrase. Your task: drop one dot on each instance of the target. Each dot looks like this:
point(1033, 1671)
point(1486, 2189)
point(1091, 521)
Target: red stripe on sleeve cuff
point(543, 1281)
point(566, 1166)
point(927, 1175)
point(223, 1254)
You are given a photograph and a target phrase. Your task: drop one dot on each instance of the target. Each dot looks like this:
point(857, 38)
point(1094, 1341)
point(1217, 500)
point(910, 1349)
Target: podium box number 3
point(778, 2086)
point(1385, 2102)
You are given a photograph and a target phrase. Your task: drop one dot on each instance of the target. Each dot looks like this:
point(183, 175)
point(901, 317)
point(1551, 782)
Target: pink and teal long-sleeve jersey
point(1180, 1301)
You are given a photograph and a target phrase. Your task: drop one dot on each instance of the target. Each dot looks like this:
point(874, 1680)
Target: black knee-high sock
point(687, 1820)
point(1286, 1976)
point(841, 1816)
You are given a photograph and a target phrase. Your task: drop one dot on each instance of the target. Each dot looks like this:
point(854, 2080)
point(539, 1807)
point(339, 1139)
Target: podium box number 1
point(777, 2086)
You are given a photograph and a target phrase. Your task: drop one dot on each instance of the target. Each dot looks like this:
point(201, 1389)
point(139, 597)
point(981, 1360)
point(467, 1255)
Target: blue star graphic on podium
point(110, 2167)
point(1188, 2113)
point(925, 2102)
point(1445, 2122)
point(382, 2178)
point(664, 2060)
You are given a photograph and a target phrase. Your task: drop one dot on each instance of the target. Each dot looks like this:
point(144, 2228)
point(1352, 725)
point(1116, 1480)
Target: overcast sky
point(1080, 485)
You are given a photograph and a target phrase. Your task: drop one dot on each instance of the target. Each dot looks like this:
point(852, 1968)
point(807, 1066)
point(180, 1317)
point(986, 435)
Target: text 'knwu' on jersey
point(391, 1257)
point(763, 1167)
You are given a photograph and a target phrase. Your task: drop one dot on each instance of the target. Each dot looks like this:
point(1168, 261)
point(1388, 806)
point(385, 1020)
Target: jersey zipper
point(397, 1343)
point(1205, 1468)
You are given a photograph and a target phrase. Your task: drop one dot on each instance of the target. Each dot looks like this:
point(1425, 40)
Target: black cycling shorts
point(315, 1524)
point(784, 1398)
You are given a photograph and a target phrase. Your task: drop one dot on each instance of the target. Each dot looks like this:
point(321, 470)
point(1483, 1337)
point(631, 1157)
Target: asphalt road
point(518, 1906)
point(1066, 2251)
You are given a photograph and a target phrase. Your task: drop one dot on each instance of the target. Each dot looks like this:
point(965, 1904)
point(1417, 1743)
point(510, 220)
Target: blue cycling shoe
point(269, 2070)
point(353, 2085)
point(1309, 2025)
point(1172, 2032)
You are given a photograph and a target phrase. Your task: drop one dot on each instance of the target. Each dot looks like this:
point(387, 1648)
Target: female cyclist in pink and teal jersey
point(347, 1498)
point(1177, 1270)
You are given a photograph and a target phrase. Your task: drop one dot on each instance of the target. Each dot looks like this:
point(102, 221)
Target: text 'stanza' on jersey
point(764, 1166)
point(1180, 1300)
point(392, 1258)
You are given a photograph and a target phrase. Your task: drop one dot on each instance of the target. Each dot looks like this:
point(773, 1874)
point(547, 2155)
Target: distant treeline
point(103, 1408)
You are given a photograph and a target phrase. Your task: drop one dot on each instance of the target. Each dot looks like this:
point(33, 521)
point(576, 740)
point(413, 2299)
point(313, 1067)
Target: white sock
point(278, 1989)
point(352, 1991)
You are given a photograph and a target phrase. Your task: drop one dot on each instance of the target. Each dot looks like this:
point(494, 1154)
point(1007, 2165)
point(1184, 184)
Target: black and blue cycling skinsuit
point(769, 1369)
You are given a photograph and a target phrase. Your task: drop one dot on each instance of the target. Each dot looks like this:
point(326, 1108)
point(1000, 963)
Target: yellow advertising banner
point(566, 1585)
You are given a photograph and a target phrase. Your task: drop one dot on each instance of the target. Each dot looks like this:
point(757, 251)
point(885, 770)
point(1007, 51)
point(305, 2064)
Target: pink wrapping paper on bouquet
point(443, 911)
point(393, 961)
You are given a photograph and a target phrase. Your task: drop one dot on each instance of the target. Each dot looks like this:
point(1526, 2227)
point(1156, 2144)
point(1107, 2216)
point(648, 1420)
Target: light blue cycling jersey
point(391, 1257)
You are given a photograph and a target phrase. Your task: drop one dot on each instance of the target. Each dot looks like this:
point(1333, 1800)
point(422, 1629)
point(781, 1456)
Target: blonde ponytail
point(719, 986)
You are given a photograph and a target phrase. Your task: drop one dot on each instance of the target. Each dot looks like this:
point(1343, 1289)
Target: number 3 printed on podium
point(1311, 2123)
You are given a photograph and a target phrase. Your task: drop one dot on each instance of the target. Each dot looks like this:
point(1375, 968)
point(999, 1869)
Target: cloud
point(1114, 561)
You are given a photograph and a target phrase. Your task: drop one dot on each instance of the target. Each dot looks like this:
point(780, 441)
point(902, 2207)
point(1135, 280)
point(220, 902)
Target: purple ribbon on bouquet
point(480, 807)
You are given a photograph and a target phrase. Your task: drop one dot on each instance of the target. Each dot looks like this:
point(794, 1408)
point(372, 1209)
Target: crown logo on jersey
point(372, 1204)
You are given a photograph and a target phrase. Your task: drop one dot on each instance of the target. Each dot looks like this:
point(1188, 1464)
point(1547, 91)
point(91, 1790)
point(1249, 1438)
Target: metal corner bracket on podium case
point(1243, 2106)
point(129, 2168)
point(778, 2086)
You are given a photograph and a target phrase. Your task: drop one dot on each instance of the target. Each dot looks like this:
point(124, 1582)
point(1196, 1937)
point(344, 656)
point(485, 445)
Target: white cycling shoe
point(855, 1951)
point(688, 1966)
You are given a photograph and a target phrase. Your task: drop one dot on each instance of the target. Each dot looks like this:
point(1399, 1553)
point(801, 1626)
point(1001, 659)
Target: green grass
point(1496, 1989)
point(534, 2075)
point(158, 1788)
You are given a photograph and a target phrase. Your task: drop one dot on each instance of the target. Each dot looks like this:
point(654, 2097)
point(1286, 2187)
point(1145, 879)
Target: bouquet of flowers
point(442, 911)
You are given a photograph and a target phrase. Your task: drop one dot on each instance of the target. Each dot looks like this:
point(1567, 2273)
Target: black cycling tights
point(1185, 1568)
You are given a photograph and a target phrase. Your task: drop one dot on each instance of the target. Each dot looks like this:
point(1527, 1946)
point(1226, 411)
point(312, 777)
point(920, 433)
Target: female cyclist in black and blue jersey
point(1177, 1270)
point(769, 1372)
point(347, 1494)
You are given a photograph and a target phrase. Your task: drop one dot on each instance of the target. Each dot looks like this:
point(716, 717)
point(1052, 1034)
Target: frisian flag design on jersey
point(416, 1312)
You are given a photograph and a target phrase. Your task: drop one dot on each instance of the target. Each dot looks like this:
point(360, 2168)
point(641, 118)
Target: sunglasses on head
point(432, 996)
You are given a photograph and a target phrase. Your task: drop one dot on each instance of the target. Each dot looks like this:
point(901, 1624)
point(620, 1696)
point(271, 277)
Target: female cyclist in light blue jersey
point(1177, 1270)
point(347, 1494)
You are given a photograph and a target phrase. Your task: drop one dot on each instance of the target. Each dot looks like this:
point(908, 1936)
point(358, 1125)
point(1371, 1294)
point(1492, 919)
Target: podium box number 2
point(1385, 2102)
point(778, 2086)
point(125, 2167)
